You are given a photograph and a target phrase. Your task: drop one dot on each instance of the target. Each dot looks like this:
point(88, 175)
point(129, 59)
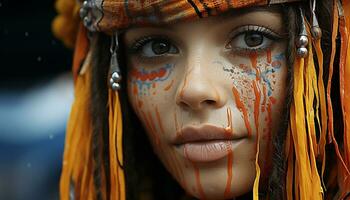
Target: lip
point(206, 143)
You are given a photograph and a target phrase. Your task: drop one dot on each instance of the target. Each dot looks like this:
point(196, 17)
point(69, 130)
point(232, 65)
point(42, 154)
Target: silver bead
point(86, 5)
point(83, 12)
point(116, 77)
point(302, 41)
point(316, 32)
point(87, 21)
point(115, 86)
point(111, 81)
point(302, 52)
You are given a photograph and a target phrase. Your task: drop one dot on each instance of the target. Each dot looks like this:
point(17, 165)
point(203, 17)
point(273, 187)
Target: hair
point(140, 160)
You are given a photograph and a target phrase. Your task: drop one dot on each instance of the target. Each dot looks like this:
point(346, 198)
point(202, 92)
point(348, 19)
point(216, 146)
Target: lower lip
point(208, 151)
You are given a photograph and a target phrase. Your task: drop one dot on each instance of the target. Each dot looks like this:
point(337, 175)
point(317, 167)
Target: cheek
point(259, 89)
point(149, 84)
point(273, 84)
point(147, 89)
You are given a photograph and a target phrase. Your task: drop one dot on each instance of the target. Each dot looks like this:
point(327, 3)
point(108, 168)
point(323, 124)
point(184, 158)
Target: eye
point(252, 39)
point(154, 47)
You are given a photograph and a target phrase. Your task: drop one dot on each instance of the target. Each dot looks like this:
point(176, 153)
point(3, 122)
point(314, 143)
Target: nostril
point(183, 104)
point(210, 102)
point(192, 105)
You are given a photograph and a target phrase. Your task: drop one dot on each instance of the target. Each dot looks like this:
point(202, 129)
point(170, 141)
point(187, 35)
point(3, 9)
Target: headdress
point(311, 125)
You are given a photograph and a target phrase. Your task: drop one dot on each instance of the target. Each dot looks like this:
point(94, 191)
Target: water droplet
point(29, 165)
point(39, 59)
point(51, 136)
point(26, 34)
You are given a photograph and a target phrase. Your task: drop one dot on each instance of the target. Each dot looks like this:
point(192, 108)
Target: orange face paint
point(175, 165)
point(166, 88)
point(269, 56)
point(159, 121)
point(179, 169)
point(273, 100)
point(267, 165)
point(228, 129)
point(150, 127)
point(243, 109)
point(264, 100)
point(135, 89)
point(229, 174)
point(151, 121)
point(148, 76)
point(254, 61)
point(169, 163)
point(198, 182)
point(184, 84)
point(139, 103)
point(244, 67)
point(276, 64)
point(256, 107)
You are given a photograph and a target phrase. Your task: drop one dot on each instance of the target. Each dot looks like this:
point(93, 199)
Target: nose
point(199, 90)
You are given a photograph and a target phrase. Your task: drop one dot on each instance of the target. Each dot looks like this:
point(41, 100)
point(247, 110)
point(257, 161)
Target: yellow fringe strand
point(307, 184)
point(116, 148)
point(321, 101)
point(290, 165)
point(257, 169)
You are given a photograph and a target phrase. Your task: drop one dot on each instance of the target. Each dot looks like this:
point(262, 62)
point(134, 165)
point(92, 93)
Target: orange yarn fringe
point(78, 164)
point(77, 160)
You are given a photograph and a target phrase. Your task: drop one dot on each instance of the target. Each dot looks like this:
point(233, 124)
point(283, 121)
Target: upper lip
point(203, 133)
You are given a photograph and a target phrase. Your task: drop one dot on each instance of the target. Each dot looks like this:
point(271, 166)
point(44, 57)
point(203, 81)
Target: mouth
point(206, 143)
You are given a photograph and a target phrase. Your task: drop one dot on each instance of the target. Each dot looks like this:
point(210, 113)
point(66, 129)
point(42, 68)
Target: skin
point(213, 79)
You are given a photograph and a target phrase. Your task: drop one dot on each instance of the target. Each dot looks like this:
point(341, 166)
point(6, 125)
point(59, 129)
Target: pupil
point(160, 47)
point(253, 39)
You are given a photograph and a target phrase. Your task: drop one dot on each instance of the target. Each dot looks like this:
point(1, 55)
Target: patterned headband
point(110, 15)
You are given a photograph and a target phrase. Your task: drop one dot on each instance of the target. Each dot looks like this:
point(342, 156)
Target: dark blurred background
point(35, 96)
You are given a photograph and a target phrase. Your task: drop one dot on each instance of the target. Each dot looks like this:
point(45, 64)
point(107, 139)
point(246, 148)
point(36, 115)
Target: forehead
point(268, 16)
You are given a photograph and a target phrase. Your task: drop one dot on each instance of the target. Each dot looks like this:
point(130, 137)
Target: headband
point(111, 15)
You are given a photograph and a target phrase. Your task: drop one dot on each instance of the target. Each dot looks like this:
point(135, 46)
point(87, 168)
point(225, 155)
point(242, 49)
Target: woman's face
point(205, 92)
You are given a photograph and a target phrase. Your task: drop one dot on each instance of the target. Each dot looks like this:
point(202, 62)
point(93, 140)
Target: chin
point(214, 184)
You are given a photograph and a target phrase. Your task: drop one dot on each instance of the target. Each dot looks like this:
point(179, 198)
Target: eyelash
point(266, 32)
point(140, 42)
